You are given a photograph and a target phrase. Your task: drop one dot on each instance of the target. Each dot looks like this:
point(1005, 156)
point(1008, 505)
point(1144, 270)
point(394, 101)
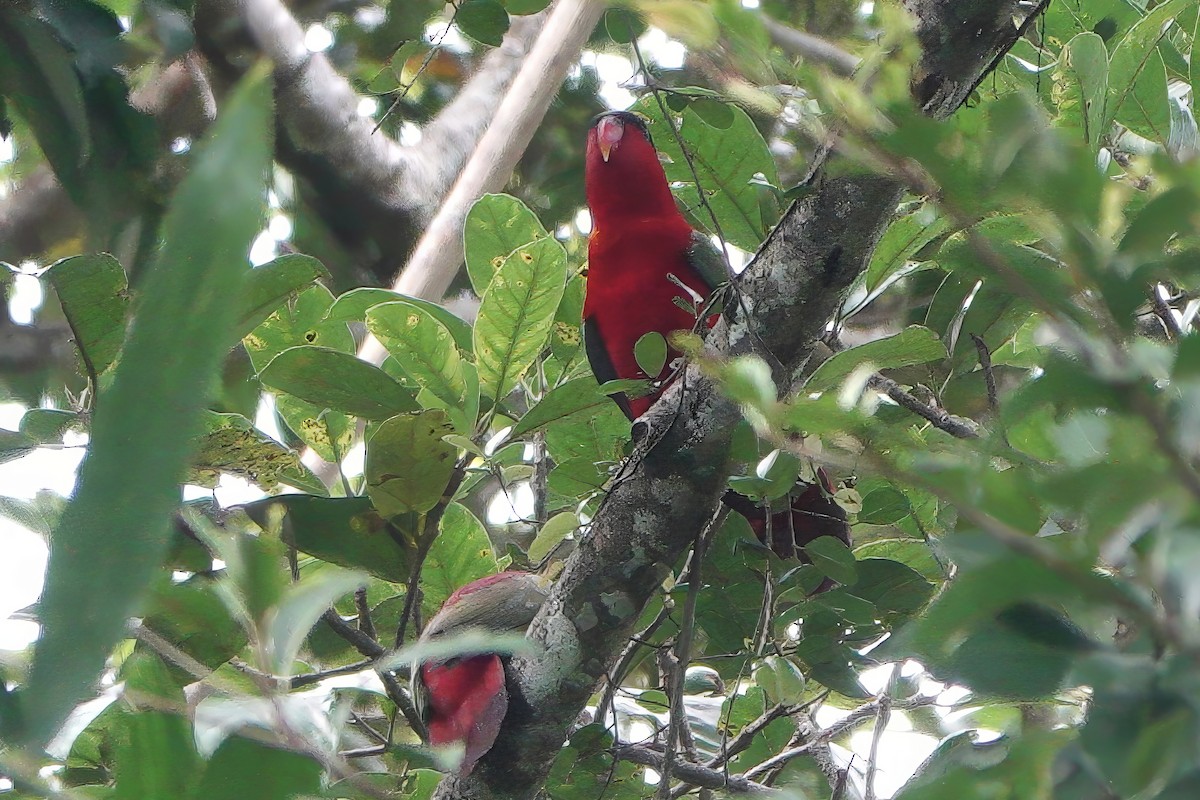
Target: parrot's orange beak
point(608, 135)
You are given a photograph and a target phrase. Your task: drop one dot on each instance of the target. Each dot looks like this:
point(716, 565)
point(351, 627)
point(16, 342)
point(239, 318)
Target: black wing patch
point(602, 366)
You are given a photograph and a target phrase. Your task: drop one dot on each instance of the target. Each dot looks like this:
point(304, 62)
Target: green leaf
point(333, 379)
point(354, 304)
point(573, 397)
point(139, 448)
point(623, 25)
point(298, 610)
point(913, 345)
point(192, 616)
point(274, 774)
point(1135, 54)
point(408, 464)
point(552, 533)
point(1088, 60)
point(47, 425)
point(345, 531)
point(516, 314)
point(485, 21)
point(726, 161)
point(833, 558)
point(462, 553)
point(1166, 216)
point(273, 283)
point(37, 77)
point(714, 112)
point(566, 335)
point(423, 346)
point(496, 225)
point(231, 444)
point(913, 553)
point(298, 321)
point(525, 6)
point(155, 758)
point(650, 352)
point(900, 242)
point(329, 433)
point(781, 680)
point(95, 300)
point(884, 506)
point(1146, 110)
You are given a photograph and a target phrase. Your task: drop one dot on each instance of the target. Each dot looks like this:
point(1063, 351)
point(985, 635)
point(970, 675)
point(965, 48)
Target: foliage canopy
point(1008, 401)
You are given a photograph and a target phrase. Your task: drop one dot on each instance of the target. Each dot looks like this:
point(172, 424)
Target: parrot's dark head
point(611, 128)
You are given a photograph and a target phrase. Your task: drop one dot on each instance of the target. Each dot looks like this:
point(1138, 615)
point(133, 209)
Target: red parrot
point(639, 239)
point(463, 700)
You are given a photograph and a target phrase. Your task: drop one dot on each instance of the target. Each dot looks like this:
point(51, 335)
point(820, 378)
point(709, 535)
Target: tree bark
point(674, 480)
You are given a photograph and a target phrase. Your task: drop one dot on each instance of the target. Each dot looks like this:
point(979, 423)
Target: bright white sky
point(23, 553)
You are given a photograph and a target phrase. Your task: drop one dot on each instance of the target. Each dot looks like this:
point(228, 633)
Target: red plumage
point(639, 237)
point(467, 704)
point(463, 700)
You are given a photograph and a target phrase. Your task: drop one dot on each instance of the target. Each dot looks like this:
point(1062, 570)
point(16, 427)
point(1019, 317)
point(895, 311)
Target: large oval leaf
point(112, 538)
point(337, 380)
point(726, 161)
point(421, 345)
point(913, 345)
point(516, 314)
point(409, 463)
point(95, 300)
point(496, 225)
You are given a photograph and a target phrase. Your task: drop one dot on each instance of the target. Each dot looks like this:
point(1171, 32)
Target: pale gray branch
point(812, 48)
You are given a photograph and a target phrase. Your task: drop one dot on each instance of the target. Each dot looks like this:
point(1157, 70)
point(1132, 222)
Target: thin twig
point(429, 533)
point(300, 681)
point(1165, 313)
point(826, 735)
point(625, 661)
point(989, 376)
point(357, 639)
point(747, 734)
point(940, 418)
point(694, 774)
point(683, 644)
point(364, 612)
point(373, 650)
point(812, 48)
point(370, 731)
point(881, 722)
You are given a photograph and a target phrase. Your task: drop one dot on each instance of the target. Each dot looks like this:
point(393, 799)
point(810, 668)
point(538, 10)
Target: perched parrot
point(463, 700)
point(641, 250)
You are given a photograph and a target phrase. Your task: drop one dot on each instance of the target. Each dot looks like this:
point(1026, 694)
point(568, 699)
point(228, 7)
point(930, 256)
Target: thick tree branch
point(677, 473)
point(318, 108)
